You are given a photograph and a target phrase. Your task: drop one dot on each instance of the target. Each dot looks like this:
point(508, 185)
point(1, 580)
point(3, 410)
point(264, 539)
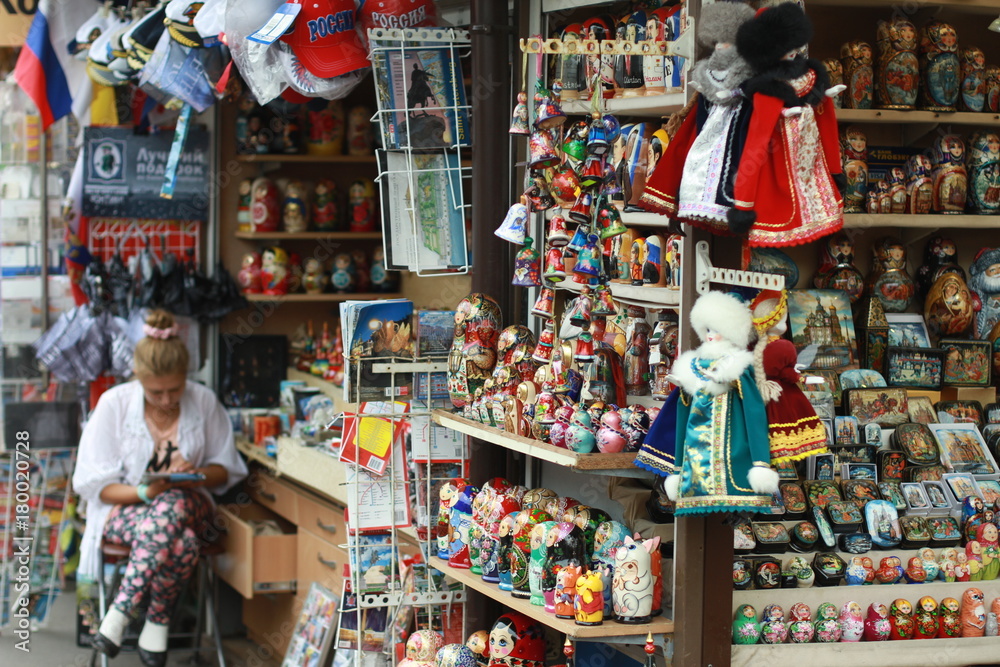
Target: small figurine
point(896, 181)
point(837, 270)
point(506, 537)
point(855, 149)
point(950, 619)
point(890, 570)
point(948, 308)
point(326, 128)
point(520, 553)
point(773, 629)
point(244, 222)
point(325, 215)
point(565, 592)
point(249, 121)
point(973, 614)
point(359, 132)
point(460, 519)
point(877, 626)
point(827, 626)
point(610, 437)
point(264, 211)
point(901, 619)
point(746, 629)
point(992, 624)
point(914, 572)
point(992, 100)
point(295, 210)
point(972, 70)
point(632, 585)
point(800, 627)
point(940, 257)
point(852, 625)
point(889, 280)
point(249, 277)
point(982, 280)
point(314, 280)
point(343, 276)
point(974, 556)
point(589, 603)
point(361, 205)
point(949, 175)
point(856, 60)
point(919, 185)
point(926, 623)
point(637, 337)
point(986, 536)
point(984, 172)
point(274, 275)
point(939, 67)
point(898, 67)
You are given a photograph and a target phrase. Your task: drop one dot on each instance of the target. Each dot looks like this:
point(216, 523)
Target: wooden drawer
point(320, 561)
point(322, 519)
point(274, 495)
point(255, 563)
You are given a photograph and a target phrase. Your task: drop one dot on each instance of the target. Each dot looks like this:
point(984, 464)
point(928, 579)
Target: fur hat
point(775, 31)
point(720, 21)
point(725, 314)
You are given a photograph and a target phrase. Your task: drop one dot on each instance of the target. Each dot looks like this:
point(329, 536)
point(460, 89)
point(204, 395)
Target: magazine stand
point(424, 120)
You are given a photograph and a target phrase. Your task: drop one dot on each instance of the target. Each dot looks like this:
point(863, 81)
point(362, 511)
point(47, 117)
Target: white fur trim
point(672, 487)
point(724, 314)
point(763, 480)
point(728, 368)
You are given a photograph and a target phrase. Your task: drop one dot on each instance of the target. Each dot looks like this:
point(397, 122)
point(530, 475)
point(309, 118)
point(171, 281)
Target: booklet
point(172, 477)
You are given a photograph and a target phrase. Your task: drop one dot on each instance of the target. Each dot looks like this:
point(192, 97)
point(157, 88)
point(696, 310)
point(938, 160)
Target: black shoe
point(105, 645)
point(152, 658)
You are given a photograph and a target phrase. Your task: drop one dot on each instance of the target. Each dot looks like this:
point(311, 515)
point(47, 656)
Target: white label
point(276, 25)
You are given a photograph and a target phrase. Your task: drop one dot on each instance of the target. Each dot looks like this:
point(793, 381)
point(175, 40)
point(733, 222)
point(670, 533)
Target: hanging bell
point(555, 269)
point(543, 304)
point(542, 152)
point(584, 352)
point(579, 312)
point(519, 119)
point(579, 240)
point(597, 137)
point(538, 194)
point(549, 113)
point(603, 303)
point(527, 266)
point(593, 171)
point(581, 209)
point(515, 223)
point(588, 262)
point(564, 185)
point(543, 350)
point(575, 143)
point(609, 221)
point(558, 234)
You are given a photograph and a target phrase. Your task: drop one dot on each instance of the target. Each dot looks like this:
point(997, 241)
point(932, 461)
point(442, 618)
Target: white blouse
point(116, 447)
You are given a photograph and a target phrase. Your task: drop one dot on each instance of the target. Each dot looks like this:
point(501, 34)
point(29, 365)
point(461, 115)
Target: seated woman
point(160, 422)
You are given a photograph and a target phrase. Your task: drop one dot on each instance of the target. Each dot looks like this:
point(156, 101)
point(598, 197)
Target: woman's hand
point(156, 488)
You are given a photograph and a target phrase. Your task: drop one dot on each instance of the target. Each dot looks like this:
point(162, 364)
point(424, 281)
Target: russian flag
point(45, 69)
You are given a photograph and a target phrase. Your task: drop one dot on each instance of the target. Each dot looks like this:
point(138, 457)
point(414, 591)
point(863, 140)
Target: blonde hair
point(161, 354)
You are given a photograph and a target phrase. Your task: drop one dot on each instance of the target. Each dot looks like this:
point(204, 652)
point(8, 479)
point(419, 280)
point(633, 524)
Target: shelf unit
point(630, 218)
point(304, 236)
point(314, 159)
point(619, 464)
point(609, 631)
point(930, 221)
point(649, 106)
point(652, 298)
point(319, 298)
point(916, 116)
point(256, 454)
point(967, 6)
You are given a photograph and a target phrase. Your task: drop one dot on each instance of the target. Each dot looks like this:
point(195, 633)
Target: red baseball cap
point(397, 14)
point(324, 39)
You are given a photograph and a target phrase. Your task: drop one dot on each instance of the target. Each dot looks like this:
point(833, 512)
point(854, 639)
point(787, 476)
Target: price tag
point(277, 25)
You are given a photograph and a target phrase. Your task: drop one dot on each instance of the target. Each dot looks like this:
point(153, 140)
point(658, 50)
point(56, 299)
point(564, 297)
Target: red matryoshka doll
point(564, 547)
point(901, 619)
point(295, 209)
point(898, 68)
point(877, 626)
point(265, 213)
point(325, 216)
point(274, 275)
point(949, 176)
point(517, 641)
point(800, 627)
point(520, 553)
point(249, 275)
point(973, 615)
point(939, 67)
point(461, 527)
point(950, 619)
point(477, 323)
point(361, 205)
point(926, 622)
point(633, 581)
point(243, 223)
point(919, 185)
point(326, 128)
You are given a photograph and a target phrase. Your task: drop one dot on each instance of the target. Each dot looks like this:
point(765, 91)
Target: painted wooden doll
point(479, 643)
point(564, 596)
point(919, 185)
point(800, 627)
point(939, 67)
point(274, 274)
point(889, 280)
point(983, 282)
point(949, 175)
point(422, 647)
point(265, 213)
point(517, 641)
point(361, 206)
point(637, 336)
point(973, 615)
point(295, 208)
point(986, 535)
point(837, 270)
point(632, 585)
point(325, 213)
point(564, 547)
point(773, 629)
point(326, 129)
point(628, 68)
point(520, 552)
point(571, 64)
point(827, 627)
point(896, 180)
point(461, 527)
point(856, 61)
point(610, 535)
point(898, 67)
point(249, 278)
point(852, 625)
point(652, 65)
point(455, 655)
point(589, 602)
point(972, 69)
point(854, 146)
point(984, 172)
point(243, 220)
point(877, 626)
point(505, 533)
point(746, 628)
point(835, 70)
point(926, 621)
point(948, 307)
point(950, 619)
point(901, 619)
point(473, 352)
point(536, 561)
point(992, 95)
point(359, 131)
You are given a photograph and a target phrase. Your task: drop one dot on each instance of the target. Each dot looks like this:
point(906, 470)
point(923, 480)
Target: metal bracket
point(705, 274)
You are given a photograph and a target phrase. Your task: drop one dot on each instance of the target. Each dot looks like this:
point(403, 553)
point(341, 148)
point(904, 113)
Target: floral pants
point(165, 547)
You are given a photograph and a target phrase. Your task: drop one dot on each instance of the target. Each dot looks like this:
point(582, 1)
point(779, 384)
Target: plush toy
point(696, 181)
point(790, 183)
point(724, 461)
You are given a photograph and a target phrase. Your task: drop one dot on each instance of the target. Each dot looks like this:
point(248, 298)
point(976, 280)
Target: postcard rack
point(389, 514)
point(423, 116)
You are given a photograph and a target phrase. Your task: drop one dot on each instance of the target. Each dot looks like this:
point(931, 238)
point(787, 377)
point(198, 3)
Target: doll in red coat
point(794, 430)
point(790, 180)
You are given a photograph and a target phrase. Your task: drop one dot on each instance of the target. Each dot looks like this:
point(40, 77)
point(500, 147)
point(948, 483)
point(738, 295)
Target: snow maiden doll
point(723, 458)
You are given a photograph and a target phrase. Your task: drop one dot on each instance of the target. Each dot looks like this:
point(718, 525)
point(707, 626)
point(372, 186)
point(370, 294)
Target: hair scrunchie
point(160, 334)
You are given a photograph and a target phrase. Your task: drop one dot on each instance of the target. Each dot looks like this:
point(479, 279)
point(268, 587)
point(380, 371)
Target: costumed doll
point(790, 181)
point(724, 461)
point(794, 430)
point(695, 181)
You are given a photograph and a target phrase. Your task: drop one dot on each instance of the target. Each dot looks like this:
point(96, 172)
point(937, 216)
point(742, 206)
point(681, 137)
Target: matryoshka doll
point(919, 185)
point(950, 619)
point(889, 280)
point(800, 627)
point(274, 275)
point(446, 498)
point(877, 627)
point(914, 572)
point(564, 547)
point(986, 535)
point(325, 216)
point(249, 275)
point(421, 649)
point(897, 190)
point(610, 535)
point(984, 172)
point(835, 70)
point(898, 68)
point(343, 277)
point(505, 534)
point(633, 581)
point(581, 436)
point(940, 255)
point(901, 619)
point(855, 149)
point(461, 527)
point(517, 641)
point(637, 336)
point(381, 279)
point(265, 213)
point(473, 351)
point(746, 629)
point(456, 655)
point(949, 175)
point(856, 60)
point(359, 131)
point(362, 272)
point(479, 643)
point(535, 499)
point(243, 220)
point(536, 561)
point(326, 127)
point(773, 629)
point(972, 69)
point(520, 553)
point(589, 603)
point(295, 209)
point(361, 205)
point(992, 100)
point(610, 437)
point(852, 625)
point(837, 270)
point(973, 615)
point(939, 67)
point(314, 278)
point(948, 308)
point(926, 624)
point(826, 625)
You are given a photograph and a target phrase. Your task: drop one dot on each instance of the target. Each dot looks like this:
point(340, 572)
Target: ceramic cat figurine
point(973, 614)
point(856, 60)
point(901, 619)
point(746, 629)
point(950, 619)
point(972, 69)
point(898, 75)
point(633, 582)
point(852, 625)
point(919, 185)
point(983, 167)
point(877, 626)
point(589, 603)
point(939, 67)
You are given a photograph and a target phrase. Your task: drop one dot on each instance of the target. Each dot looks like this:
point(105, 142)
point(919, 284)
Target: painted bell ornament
point(519, 119)
point(581, 211)
point(583, 353)
point(558, 236)
point(939, 67)
point(527, 266)
point(604, 303)
point(579, 312)
point(579, 240)
point(543, 349)
point(598, 141)
point(609, 220)
point(543, 304)
point(541, 151)
point(515, 223)
point(564, 185)
point(588, 262)
point(575, 141)
point(538, 195)
point(555, 269)
point(549, 113)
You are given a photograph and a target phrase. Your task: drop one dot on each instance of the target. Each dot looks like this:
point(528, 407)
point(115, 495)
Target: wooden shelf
point(620, 632)
point(938, 652)
point(654, 298)
point(312, 159)
point(619, 464)
point(301, 236)
point(630, 218)
point(317, 298)
point(969, 6)
point(650, 106)
point(567, 5)
point(863, 595)
point(916, 116)
point(256, 454)
point(930, 221)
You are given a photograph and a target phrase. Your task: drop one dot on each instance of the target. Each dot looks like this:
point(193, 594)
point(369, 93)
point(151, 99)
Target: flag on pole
point(45, 69)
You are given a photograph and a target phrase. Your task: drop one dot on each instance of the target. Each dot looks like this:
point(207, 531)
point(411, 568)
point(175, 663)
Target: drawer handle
point(332, 564)
point(268, 496)
point(328, 527)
